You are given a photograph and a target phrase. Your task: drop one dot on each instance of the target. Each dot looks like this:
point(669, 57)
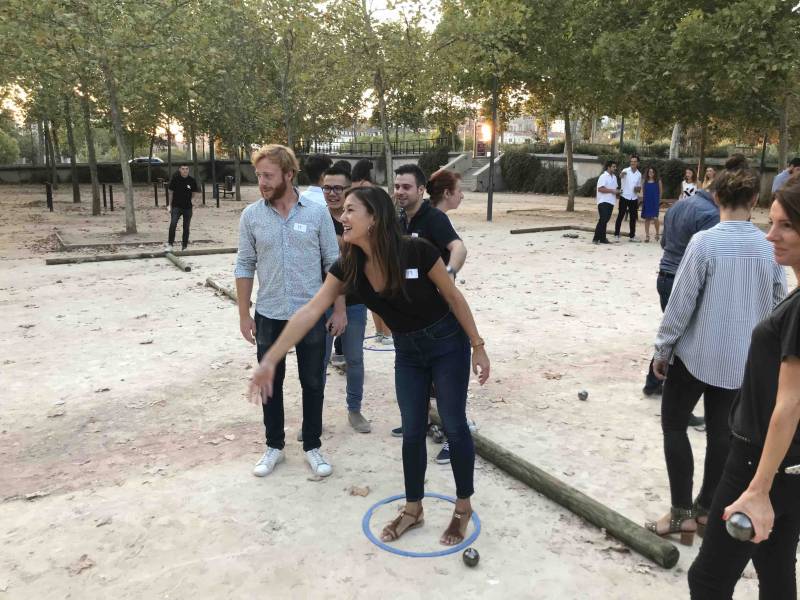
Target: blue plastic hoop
point(451, 550)
point(376, 349)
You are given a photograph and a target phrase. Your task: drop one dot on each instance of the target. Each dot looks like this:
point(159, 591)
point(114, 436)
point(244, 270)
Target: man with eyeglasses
point(334, 183)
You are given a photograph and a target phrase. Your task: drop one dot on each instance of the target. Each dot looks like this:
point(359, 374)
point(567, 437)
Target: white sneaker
point(167, 248)
point(267, 462)
point(318, 463)
point(387, 340)
point(337, 360)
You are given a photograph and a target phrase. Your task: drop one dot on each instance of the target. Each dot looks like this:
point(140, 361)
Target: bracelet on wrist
point(479, 343)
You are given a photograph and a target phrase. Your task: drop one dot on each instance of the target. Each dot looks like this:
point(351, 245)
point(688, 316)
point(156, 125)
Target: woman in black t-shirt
point(404, 281)
point(762, 474)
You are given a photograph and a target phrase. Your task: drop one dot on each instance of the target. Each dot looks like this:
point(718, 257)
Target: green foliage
point(431, 161)
point(551, 180)
point(671, 174)
point(589, 187)
point(519, 170)
point(9, 149)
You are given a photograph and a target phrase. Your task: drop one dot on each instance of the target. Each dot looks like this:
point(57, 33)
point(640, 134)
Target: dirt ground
point(126, 443)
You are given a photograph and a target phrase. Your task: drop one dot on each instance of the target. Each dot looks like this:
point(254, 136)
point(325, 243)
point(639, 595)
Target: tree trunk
point(150, 156)
point(621, 133)
point(213, 159)
point(594, 129)
point(122, 145)
point(51, 155)
point(73, 162)
point(193, 140)
point(42, 146)
point(92, 157)
point(675, 142)
point(56, 144)
point(568, 152)
point(169, 151)
point(387, 145)
point(783, 136)
point(237, 165)
point(701, 160)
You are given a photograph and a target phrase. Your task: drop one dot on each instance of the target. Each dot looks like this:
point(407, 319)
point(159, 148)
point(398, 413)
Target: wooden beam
point(555, 228)
point(71, 260)
point(648, 544)
point(178, 262)
point(223, 290)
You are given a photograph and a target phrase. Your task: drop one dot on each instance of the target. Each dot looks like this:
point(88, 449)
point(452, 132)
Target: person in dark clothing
point(761, 477)
point(435, 335)
point(183, 186)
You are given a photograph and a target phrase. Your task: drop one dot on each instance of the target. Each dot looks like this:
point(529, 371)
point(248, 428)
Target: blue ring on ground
point(451, 550)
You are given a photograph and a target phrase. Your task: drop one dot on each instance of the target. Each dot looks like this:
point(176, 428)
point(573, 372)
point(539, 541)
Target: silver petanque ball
point(583, 395)
point(740, 527)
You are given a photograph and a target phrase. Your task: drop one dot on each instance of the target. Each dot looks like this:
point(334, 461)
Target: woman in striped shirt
point(726, 283)
point(762, 474)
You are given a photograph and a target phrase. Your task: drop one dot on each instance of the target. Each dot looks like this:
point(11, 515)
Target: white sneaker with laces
point(267, 462)
point(318, 463)
point(167, 247)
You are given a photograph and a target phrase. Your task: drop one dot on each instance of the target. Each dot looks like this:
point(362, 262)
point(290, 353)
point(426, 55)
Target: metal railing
point(368, 148)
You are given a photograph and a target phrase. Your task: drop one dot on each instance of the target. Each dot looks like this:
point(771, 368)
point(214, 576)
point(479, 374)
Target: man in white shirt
point(631, 183)
point(607, 193)
point(314, 168)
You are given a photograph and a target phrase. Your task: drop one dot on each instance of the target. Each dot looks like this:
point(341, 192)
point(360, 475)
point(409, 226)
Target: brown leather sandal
point(457, 528)
point(391, 533)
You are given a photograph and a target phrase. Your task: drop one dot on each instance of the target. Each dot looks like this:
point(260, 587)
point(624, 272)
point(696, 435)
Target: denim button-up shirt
point(682, 221)
point(290, 255)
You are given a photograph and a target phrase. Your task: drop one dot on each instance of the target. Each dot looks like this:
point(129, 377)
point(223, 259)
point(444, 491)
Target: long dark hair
point(385, 240)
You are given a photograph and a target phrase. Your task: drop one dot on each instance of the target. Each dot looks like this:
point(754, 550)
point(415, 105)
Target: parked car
point(143, 160)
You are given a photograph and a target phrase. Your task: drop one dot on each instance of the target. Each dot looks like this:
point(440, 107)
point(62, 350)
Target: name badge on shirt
point(301, 227)
point(188, 186)
point(415, 234)
point(412, 274)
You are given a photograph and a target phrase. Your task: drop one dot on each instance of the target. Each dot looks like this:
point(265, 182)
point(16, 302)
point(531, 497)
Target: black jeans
point(310, 361)
point(682, 390)
point(627, 206)
point(440, 354)
point(664, 287)
point(604, 209)
point(176, 214)
point(721, 560)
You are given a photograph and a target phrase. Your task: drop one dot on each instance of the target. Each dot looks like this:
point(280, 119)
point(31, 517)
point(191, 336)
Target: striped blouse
point(727, 282)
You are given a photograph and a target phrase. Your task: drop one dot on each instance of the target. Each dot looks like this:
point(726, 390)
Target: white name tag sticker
point(301, 227)
point(188, 187)
point(414, 234)
point(412, 274)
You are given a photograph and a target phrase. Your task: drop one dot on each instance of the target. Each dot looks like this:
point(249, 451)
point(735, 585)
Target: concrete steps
point(468, 179)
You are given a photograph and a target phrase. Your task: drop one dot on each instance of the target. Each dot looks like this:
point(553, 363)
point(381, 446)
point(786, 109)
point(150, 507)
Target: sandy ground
point(126, 443)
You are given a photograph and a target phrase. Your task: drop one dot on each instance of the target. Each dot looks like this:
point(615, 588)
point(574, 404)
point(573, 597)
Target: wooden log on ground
point(136, 255)
point(205, 251)
point(178, 262)
point(637, 537)
point(71, 260)
point(222, 289)
point(556, 228)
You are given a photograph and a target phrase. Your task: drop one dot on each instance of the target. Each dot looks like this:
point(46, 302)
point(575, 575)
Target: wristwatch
point(451, 271)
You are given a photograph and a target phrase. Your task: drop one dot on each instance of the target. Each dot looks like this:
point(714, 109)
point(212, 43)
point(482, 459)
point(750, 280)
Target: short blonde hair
point(280, 155)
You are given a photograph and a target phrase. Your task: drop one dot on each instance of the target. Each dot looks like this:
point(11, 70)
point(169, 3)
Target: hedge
point(430, 162)
point(519, 170)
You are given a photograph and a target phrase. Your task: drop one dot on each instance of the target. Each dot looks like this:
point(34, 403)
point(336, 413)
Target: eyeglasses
point(336, 189)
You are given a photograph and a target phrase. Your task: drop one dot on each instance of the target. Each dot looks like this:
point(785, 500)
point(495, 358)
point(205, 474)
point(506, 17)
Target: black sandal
point(677, 518)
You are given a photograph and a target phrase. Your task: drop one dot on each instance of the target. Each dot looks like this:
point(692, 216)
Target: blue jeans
point(353, 350)
point(310, 352)
point(440, 354)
